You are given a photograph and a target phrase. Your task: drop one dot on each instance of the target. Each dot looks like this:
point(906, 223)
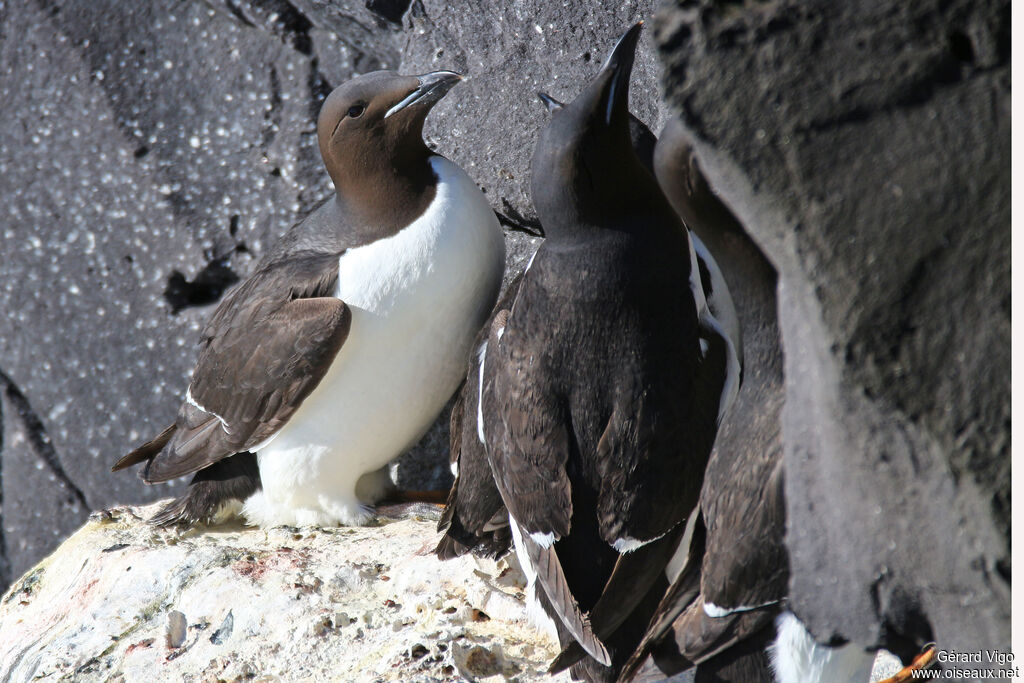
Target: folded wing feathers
point(552, 580)
point(631, 578)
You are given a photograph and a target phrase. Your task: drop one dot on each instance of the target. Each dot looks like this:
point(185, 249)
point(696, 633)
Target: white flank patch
point(719, 313)
point(481, 357)
point(543, 540)
point(677, 562)
point(194, 403)
point(696, 288)
point(713, 610)
point(627, 545)
point(454, 467)
point(679, 558)
point(417, 300)
point(796, 658)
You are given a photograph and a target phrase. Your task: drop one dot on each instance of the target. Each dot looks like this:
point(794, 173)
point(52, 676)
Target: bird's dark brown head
point(372, 126)
point(584, 167)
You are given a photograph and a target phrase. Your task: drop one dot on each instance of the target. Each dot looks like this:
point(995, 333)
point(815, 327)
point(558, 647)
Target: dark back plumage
point(599, 384)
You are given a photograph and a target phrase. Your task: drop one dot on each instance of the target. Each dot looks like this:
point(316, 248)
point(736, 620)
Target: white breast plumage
point(417, 300)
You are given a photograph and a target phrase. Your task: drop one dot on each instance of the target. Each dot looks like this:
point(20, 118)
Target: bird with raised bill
point(602, 384)
point(351, 334)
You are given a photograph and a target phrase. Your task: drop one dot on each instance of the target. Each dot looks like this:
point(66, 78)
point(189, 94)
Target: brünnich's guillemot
point(342, 347)
point(606, 361)
point(475, 519)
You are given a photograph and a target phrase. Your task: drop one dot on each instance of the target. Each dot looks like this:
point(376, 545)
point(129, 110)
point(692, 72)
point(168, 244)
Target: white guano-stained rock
point(123, 601)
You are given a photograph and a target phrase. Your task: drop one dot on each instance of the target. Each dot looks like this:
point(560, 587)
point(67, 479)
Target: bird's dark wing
point(748, 566)
point(529, 463)
point(265, 349)
point(695, 637)
point(475, 519)
point(681, 594)
point(743, 572)
point(528, 441)
point(527, 430)
point(632, 577)
point(544, 560)
point(660, 440)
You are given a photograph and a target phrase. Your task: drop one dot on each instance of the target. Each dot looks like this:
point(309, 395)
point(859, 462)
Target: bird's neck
point(386, 197)
point(639, 213)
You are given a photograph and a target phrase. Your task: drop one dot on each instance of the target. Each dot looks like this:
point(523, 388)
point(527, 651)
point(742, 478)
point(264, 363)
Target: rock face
point(122, 601)
point(151, 152)
point(864, 147)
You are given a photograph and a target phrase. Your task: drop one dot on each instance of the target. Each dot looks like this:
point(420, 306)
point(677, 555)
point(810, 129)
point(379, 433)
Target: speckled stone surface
point(122, 601)
point(284, 604)
point(140, 140)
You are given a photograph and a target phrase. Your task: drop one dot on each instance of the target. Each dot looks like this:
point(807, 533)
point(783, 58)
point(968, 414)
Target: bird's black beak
point(550, 102)
point(432, 87)
point(620, 66)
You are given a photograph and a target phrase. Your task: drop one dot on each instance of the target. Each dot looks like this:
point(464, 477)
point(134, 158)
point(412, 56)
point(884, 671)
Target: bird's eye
point(356, 110)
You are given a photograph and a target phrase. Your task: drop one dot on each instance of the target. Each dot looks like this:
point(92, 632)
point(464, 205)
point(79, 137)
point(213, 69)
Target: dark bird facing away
point(601, 386)
point(349, 337)
point(475, 520)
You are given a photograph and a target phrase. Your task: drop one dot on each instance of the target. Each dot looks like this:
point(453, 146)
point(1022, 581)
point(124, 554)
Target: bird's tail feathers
point(632, 577)
point(146, 451)
point(175, 512)
point(685, 589)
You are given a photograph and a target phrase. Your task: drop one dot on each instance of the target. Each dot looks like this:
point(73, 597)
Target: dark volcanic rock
point(865, 148)
point(140, 140)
